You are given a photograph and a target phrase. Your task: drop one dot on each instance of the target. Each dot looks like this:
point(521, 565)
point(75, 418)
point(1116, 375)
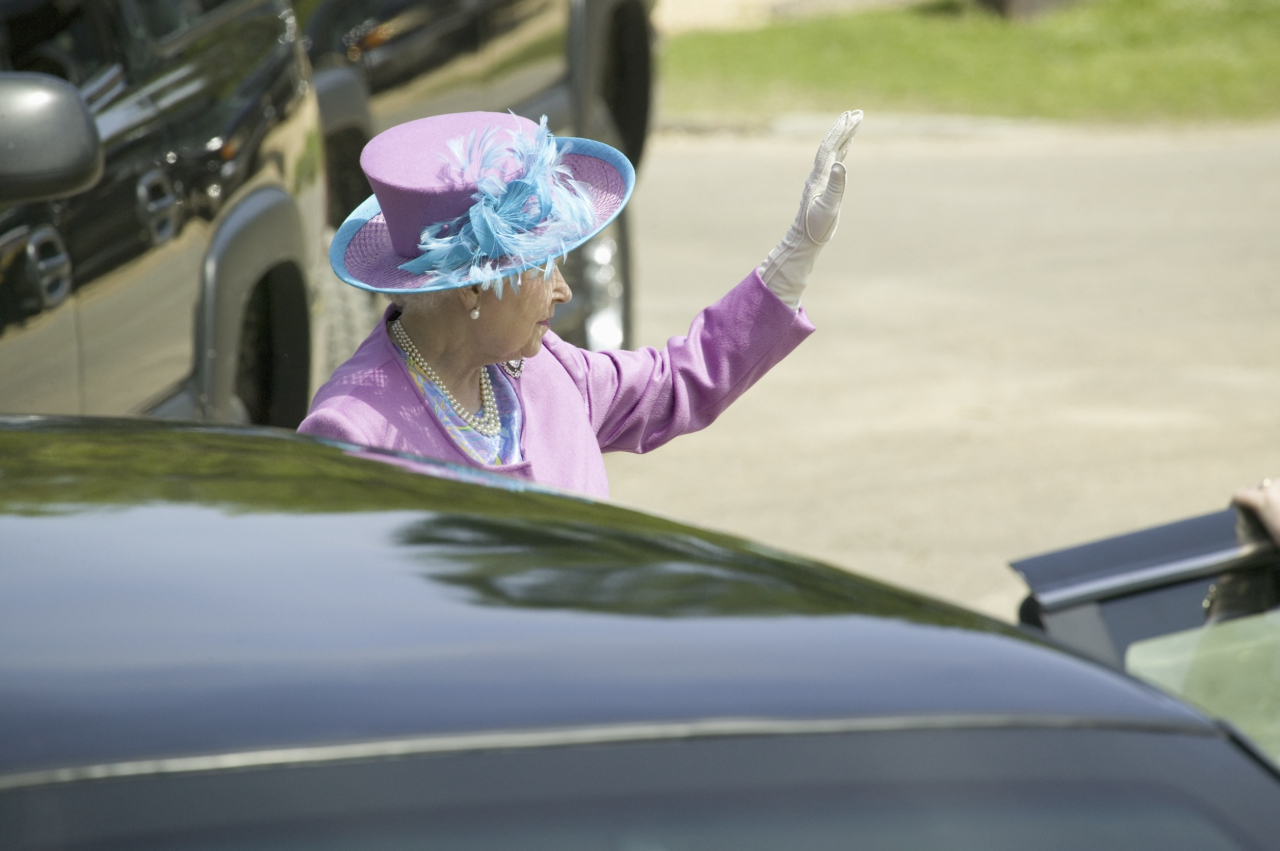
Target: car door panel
point(138, 279)
point(40, 358)
point(1103, 596)
point(202, 75)
point(1192, 607)
point(137, 327)
point(115, 234)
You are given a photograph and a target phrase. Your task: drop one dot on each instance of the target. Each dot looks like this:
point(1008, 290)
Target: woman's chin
point(531, 348)
point(535, 343)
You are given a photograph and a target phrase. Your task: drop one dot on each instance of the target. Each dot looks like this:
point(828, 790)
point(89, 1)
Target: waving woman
point(469, 215)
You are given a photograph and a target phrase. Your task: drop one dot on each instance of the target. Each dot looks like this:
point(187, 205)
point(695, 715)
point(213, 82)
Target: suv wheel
point(253, 365)
point(273, 360)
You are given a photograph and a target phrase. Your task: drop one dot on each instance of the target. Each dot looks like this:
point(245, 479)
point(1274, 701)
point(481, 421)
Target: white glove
point(787, 267)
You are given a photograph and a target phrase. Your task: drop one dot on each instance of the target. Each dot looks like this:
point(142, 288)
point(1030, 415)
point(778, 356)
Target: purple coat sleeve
point(637, 401)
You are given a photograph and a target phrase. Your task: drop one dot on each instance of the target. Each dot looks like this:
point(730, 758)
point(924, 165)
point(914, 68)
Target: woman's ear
point(469, 296)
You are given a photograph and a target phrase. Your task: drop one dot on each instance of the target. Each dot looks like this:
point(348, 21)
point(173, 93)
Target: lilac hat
point(475, 198)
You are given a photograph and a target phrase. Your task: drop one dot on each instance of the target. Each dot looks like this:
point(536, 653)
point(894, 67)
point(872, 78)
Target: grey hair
point(416, 303)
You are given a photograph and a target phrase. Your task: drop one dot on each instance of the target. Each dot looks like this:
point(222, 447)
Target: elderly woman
point(469, 213)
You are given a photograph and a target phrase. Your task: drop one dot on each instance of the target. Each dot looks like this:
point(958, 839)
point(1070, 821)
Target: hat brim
point(361, 253)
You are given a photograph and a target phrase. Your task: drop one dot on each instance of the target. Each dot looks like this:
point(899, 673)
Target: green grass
point(1109, 60)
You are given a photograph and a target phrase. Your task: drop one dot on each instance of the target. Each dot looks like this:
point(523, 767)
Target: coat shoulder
point(372, 369)
point(358, 400)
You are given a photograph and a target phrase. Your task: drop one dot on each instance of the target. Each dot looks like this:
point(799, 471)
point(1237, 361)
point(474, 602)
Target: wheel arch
point(343, 97)
point(259, 243)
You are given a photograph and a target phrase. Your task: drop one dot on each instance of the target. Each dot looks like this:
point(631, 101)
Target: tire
point(253, 361)
point(627, 87)
point(273, 358)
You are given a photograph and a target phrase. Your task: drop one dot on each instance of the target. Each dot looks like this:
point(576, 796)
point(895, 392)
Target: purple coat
point(576, 404)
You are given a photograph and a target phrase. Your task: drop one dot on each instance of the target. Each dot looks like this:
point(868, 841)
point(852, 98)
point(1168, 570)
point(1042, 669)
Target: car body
point(586, 65)
point(216, 637)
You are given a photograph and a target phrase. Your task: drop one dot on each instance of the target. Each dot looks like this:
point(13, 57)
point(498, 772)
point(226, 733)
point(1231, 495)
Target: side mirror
point(49, 144)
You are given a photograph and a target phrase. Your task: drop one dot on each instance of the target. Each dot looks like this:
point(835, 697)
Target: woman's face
point(515, 323)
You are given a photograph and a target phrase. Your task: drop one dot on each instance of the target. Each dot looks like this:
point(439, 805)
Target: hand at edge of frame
point(1264, 499)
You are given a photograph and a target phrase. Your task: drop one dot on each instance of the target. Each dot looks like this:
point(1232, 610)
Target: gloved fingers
point(824, 213)
point(836, 143)
point(832, 150)
point(845, 128)
point(836, 184)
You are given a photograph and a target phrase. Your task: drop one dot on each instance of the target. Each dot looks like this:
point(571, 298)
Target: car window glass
point(1228, 669)
point(164, 18)
point(57, 38)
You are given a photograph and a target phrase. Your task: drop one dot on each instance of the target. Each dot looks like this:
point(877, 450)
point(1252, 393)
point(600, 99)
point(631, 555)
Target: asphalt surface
point(1028, 336)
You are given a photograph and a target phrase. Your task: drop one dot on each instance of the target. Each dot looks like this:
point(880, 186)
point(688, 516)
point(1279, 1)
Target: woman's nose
point(561, 294)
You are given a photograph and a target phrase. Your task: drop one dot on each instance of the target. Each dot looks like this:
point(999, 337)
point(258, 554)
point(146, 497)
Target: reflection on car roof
point(177, 591)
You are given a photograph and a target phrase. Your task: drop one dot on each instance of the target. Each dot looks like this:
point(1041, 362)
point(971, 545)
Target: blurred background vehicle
point(221, 637)
point(183, 282)
point(191, 281)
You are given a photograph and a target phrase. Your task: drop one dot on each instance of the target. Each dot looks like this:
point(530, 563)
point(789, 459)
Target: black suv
point(183, 283)
point(191, 280)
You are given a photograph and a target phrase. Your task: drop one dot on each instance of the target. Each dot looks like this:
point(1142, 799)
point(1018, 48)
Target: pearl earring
point(475, 313)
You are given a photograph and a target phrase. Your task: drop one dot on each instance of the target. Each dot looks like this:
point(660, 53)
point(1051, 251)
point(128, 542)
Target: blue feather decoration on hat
point(529, 218)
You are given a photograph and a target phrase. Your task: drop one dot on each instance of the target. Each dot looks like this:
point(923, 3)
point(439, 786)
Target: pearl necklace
point(487, 423)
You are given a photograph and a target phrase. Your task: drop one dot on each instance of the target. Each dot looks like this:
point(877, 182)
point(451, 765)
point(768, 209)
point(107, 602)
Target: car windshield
point(1229, 669)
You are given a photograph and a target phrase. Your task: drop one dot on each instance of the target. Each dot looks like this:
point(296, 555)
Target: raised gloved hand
point(787, 267)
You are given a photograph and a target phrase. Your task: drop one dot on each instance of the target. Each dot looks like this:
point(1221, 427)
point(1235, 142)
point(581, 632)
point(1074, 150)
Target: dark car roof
point(185, 590)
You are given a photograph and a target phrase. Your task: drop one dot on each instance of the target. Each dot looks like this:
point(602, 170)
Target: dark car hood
point(175, 590)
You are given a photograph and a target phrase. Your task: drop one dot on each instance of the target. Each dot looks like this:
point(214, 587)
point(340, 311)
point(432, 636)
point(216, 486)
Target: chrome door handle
point(158, 206)
point(48, 266)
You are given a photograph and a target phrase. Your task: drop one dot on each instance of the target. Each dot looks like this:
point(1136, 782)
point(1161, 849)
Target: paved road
point(1028, 337)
